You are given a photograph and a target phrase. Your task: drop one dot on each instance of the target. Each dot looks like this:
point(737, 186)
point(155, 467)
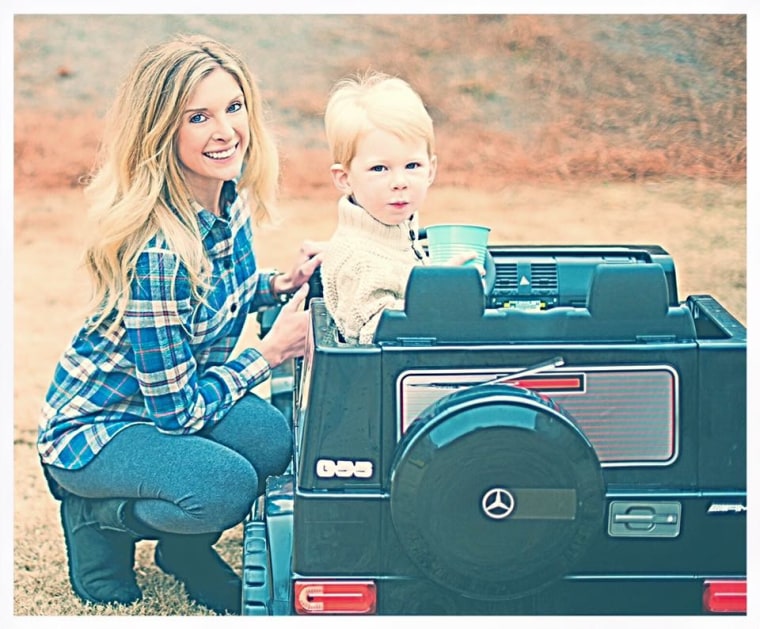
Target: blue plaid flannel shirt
point(170, 361)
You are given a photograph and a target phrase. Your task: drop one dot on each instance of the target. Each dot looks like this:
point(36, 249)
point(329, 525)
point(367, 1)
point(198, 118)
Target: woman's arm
point(179, 397)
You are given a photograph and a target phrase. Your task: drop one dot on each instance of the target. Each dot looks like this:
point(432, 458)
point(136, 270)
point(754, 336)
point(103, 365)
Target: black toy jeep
point(569, 439)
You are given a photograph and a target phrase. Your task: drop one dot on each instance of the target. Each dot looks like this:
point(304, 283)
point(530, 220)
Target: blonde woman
point(149, 429)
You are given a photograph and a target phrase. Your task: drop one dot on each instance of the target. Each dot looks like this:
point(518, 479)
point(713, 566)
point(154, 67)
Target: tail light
point(725, 597)
point(335, 597)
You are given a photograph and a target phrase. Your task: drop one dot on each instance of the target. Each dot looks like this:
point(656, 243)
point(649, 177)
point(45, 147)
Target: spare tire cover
point(495, 492)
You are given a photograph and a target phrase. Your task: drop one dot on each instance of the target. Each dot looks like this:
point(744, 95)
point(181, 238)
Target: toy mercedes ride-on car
point(565, 437)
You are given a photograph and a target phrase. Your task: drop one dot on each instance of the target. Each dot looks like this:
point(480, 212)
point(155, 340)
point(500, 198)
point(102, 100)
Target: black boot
point(208, 579)
point(100, 548)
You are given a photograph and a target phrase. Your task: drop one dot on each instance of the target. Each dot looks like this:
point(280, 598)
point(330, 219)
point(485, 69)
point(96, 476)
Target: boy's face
point(389, 176)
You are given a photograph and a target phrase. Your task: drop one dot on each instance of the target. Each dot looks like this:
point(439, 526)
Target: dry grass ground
point(708, 246)
point(552, 129)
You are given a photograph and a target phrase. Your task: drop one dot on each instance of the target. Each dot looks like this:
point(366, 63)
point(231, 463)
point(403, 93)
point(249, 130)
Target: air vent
point(506, 276)
point(540, 276)
point(544, 276)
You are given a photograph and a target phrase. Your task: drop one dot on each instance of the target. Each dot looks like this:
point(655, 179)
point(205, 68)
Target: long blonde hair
point(138, 189)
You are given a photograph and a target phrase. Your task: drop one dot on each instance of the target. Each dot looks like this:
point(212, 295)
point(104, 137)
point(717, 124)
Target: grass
point(709, 249)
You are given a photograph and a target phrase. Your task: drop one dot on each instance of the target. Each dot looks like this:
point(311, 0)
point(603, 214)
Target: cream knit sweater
point(365, 270)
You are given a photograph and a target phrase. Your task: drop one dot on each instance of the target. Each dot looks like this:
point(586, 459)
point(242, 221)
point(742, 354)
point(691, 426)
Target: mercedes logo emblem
point(498, 503)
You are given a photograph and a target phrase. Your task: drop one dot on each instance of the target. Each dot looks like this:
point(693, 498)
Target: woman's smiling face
point(213, 136)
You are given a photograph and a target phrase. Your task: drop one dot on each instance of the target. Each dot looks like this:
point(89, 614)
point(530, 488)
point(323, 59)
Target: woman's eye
point(235, 107)
point(196, 118)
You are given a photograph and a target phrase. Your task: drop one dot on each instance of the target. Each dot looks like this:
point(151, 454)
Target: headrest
point(456, 291)
point(628, 291)
point(443, 303)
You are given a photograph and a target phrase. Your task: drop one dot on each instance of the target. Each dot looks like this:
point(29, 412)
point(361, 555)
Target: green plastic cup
point(447, 241)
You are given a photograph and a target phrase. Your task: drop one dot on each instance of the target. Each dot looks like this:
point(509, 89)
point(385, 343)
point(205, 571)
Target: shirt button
point(233, 307)
point(227, 265)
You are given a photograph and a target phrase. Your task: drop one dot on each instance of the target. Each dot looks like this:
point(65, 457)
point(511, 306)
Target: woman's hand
point(287, 337)
point(308, 259)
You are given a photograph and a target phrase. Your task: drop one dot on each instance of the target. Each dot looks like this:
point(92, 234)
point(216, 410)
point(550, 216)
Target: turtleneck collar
point(354, 218)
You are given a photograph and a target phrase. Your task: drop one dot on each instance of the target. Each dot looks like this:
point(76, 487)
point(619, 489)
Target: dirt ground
point(551, 129)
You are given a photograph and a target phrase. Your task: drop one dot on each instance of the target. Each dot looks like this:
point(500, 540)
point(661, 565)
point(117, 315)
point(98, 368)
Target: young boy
point(383, 148)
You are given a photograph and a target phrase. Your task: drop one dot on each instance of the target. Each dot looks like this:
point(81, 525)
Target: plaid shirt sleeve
point(264, 293)
point(180, 396)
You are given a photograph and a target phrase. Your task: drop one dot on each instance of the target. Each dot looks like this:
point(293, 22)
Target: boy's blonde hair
point(139, 189)
point(374, 100)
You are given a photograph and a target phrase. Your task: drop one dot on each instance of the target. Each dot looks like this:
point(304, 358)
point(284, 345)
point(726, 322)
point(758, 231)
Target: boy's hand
point(463, 258)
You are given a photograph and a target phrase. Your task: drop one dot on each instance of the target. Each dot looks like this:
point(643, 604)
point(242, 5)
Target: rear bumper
point(573, 595)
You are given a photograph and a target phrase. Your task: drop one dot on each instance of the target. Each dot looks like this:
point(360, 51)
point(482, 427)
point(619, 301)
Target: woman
point(150, 429)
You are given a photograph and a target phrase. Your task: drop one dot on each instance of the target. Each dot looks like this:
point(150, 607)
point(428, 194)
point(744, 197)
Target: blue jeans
point(189, 484)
